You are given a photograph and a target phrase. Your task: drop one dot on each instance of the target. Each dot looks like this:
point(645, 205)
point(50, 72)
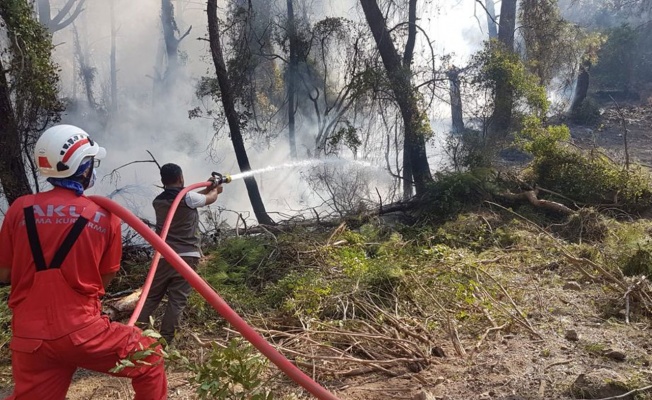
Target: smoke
point(150, 120)
point(602, 15)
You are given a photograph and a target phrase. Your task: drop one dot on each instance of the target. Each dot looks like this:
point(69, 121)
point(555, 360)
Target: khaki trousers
point(167, 281)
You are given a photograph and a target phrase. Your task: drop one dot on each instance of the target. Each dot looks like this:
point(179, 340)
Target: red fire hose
point(215, 300)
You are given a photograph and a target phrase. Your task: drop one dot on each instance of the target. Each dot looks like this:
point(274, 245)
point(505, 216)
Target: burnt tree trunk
point(226, 94)
point(13, 174)
point(456, 100)
point(171, 43)
point(507, 23)
point(408, 55)
point(64, 17)
point(408, 182)
point(399, 76)
point(581, 88)
point(492, 27)
point(504, 98)
point(170, 32)
point(291, 78)
point(86, 71)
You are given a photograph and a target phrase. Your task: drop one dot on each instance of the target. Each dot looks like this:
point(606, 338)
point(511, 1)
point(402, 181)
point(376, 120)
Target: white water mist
point(301, 163)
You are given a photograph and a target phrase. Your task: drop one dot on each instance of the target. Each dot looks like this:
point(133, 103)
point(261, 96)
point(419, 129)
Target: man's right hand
point(212, 191)
point(214, 183)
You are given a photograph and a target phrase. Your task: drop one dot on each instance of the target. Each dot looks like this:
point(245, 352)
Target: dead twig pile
point(637, 288)
point(387, 343)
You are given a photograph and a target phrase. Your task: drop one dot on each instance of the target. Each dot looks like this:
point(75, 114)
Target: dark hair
point(170, 174)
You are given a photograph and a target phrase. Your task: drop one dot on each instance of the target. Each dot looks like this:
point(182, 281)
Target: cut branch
point(531, 197)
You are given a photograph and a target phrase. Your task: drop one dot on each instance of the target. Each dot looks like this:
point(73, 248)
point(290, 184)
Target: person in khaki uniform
point(183, 237)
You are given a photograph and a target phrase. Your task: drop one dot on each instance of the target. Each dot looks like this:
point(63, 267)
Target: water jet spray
point(294, 164)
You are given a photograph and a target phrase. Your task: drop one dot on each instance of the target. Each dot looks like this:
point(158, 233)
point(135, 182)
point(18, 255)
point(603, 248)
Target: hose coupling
point(221, 178)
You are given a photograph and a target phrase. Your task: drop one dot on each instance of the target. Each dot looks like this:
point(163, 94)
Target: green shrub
point(384, 277)
point(589, 178)
point(587, 225)
point(639, 263)
point(454, 192)
point(302, 294)
point(232, 373)
point(593, 179)
point(475, 232)
point(239, 260)
point(239, 269)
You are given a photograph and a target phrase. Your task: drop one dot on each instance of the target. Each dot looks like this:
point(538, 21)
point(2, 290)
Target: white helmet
point(60, 150)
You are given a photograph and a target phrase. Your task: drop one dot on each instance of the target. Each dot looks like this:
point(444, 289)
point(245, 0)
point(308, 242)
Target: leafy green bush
point(232, 373)
point(540, 140)
point(588, 178)
point(302, 294)
point(500, 66)
point(587, 225)
point(628, 246)
point(384, 277)
point(239, 269)
point(454, 192)
point(475, 232)
point(239, 260)
point(639, 263)
point(593, 179)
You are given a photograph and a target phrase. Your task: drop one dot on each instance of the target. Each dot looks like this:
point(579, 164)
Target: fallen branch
point(476, 349)
point(449, 323)
point(206, 344)
point(116, 307)
point(371, 345)
point(531, 197)
point(547, 367)
point(522, 318)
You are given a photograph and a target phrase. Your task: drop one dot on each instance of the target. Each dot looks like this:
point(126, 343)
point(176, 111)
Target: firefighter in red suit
point(59, 251)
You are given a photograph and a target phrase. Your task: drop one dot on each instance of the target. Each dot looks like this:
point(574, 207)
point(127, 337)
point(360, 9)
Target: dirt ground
point(576, 328)
point(609, 132)
point(541, 364)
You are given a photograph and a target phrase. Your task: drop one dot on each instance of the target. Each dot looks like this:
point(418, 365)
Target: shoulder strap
point(34, 242)
point(70, 240)
point(73, 235)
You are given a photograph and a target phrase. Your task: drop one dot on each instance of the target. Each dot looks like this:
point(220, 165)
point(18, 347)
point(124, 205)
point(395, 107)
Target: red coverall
point(58, 245)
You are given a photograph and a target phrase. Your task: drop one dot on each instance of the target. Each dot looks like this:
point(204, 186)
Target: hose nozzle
point(220, 179)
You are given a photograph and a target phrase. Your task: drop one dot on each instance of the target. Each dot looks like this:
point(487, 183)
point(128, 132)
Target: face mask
point(92, 181)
